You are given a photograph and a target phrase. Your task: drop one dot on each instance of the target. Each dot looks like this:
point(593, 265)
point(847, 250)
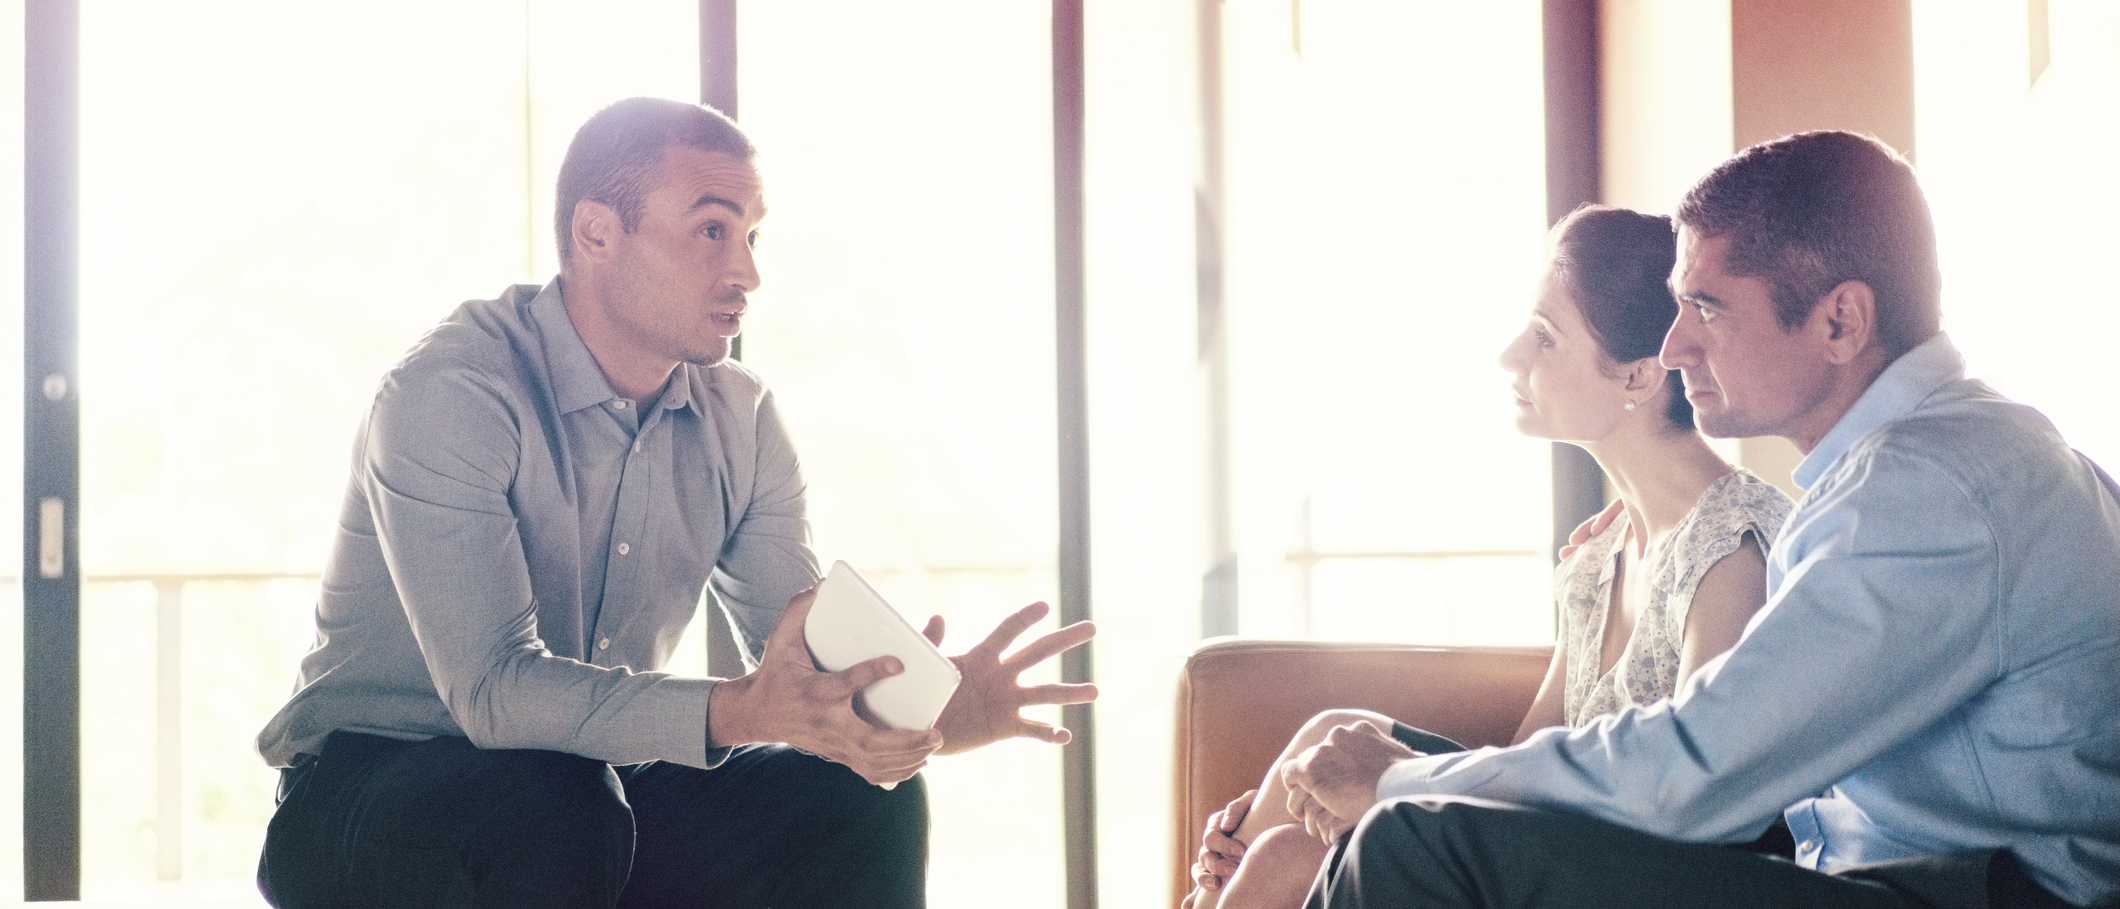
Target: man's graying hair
point(1809, 211)
point(614, 156)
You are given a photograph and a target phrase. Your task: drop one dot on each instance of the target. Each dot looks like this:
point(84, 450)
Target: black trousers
point(375, 822)
point(1455, 852)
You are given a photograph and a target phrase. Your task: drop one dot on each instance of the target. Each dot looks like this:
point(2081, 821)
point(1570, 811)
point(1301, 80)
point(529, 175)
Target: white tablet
point(850, 623)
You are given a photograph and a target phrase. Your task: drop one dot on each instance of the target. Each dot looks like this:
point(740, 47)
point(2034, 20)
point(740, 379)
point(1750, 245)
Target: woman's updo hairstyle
point(1617, 263)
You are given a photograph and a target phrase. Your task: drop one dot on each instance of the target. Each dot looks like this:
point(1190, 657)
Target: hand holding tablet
point(850, 623)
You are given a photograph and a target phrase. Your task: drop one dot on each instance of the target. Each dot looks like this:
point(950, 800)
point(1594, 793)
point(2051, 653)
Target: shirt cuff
point(710, 758)
point(1417, 776)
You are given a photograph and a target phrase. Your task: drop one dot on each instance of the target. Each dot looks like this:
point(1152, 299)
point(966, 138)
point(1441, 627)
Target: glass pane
point(1147, 510)
point(905, 325)
point(1378, 266)
point(1374, 273)
point(278, 199)
point(11, 100)
point(2017, 161)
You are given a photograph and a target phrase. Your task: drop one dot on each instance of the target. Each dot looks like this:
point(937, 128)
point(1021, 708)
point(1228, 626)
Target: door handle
point(51, 537)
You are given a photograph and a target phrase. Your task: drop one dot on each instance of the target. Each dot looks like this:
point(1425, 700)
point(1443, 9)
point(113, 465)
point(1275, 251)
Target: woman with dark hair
point(1668, 586)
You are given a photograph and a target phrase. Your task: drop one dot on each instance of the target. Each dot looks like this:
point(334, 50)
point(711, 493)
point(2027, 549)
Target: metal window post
point(1071, 365)
point(1572, 115)
point(51, 482)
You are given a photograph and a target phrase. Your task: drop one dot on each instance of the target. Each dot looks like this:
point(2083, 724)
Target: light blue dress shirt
point(520, 548)
point(1936, 669)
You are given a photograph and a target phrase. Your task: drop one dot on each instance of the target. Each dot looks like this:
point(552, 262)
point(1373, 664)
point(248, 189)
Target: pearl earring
point(1630, 405)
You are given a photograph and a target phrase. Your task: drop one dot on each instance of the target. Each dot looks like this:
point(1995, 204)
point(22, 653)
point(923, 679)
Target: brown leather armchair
point(1239, 702)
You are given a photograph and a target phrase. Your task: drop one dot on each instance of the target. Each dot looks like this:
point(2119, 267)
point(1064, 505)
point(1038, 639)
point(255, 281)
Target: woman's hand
point(1592, 527)
point(1220, 850)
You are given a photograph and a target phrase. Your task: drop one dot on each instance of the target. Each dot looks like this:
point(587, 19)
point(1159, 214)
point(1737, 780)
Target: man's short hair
point(1809, 211)
point(614, 157)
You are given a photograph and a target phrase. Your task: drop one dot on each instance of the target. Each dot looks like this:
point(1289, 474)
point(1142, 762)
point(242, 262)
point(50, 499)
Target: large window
point(1387, 205)
point(11, 260)
point(279, 197)
point(2016, 148)
point(1383, 214)
point(905, 324)
point(277, 200)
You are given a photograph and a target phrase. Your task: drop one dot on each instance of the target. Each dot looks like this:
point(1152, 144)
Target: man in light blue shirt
point(1931, 695)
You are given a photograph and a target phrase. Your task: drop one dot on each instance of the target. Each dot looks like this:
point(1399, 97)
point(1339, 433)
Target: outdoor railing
point(169, 674)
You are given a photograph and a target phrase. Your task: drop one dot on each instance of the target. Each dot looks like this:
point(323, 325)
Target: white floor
point(147, 895)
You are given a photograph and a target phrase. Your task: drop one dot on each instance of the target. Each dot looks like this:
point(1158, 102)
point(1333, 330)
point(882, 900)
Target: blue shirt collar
point(1895, 393)
point(577, 382)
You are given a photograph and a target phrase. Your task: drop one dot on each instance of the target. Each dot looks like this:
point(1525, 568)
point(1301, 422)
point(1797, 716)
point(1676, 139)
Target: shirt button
point(604, 644)
point(636, 446)
point(620, 404)
point(623, 549)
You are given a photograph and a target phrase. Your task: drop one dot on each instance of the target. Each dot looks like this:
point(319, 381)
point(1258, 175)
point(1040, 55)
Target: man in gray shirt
point(543, 488)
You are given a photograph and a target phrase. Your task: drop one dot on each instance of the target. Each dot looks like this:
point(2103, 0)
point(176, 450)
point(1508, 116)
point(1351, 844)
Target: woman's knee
point(1324, 723)
point(1286, 842)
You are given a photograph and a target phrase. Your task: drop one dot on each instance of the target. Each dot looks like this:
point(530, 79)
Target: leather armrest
point(1240, 700)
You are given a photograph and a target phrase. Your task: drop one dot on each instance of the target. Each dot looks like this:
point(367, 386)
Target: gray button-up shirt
point(520, 548)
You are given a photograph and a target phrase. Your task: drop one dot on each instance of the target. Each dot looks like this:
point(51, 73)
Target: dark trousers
point(1465, 853)
point(375, 822)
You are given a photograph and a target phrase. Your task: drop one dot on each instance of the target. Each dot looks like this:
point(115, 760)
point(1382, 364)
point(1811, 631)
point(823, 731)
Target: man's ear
point(595, 228)
point(1847, 321)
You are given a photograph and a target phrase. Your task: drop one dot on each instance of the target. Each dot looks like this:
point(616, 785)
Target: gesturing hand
point(987, 705)
point(1331, 785)
point(786, 699)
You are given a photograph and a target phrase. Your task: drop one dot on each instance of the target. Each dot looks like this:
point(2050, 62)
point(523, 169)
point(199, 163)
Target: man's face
point(680, 278)
point(1745, 376)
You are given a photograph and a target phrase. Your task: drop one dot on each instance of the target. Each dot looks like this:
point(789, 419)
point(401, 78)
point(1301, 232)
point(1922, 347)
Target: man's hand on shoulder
point(788, 700)
point(1333, 784)
point(987, 705)
point(1592, 527)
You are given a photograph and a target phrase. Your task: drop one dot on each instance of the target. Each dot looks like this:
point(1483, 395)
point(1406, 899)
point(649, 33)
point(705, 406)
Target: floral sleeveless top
point(1736, 504)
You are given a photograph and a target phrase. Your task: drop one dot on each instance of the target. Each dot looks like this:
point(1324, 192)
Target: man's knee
point(564, 836)
point(555, 791)
point(901, 812)
point(1425, 851)
point(1444, 825)
point(401, 822)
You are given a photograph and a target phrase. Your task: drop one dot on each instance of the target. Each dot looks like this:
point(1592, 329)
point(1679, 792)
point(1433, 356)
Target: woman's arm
point(1730, 591)
point(1547, 709)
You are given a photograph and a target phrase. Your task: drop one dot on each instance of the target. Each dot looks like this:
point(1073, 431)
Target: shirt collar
point(1894, 394)
point(577, 382)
